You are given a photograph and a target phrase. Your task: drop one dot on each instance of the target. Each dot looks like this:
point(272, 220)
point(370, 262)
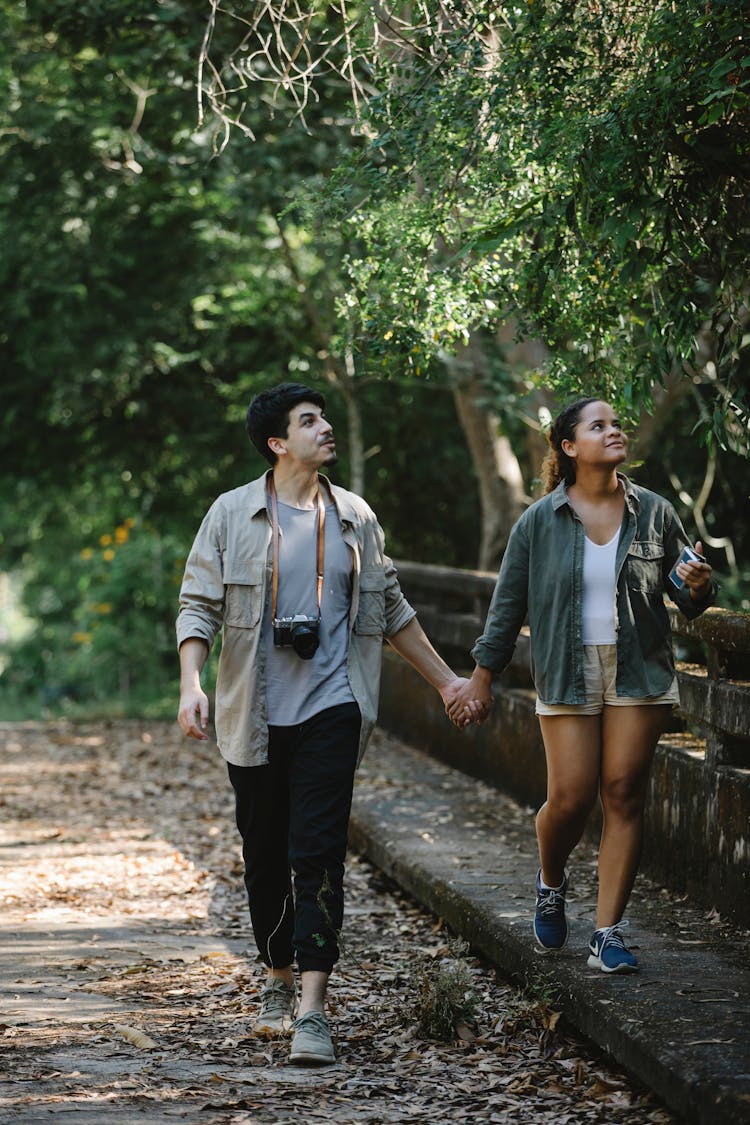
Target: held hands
point(696, 575)
point(467, 701)
point(193, 706)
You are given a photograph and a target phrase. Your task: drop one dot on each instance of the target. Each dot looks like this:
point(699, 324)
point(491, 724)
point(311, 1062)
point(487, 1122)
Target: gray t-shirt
point(297, 689)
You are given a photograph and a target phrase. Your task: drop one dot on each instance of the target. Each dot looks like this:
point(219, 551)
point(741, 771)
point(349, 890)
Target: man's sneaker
point(311, 1043)
point(550, 923)
point(278, 1002)
point(607, 951)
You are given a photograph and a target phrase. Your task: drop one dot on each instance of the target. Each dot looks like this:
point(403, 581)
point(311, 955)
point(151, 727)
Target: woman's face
point(598, 438)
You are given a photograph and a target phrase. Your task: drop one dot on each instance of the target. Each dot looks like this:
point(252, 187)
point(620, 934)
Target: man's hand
point(413, 645)
point(193, 699)
point(473, 700)
point(193, 705)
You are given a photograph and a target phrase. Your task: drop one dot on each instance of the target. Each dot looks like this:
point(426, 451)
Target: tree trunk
point(499, 479)
point(345, 382)
point(341, 376)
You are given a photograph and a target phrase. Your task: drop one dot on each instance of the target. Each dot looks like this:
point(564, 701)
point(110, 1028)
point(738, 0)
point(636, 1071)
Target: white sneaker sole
point(545, 949)
point(308, 1050)
point(595, 962)
point(310, 1058)
point(270, 1029)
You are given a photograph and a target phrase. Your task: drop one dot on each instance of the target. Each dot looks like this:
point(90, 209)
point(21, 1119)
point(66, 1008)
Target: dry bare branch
point(291, 48)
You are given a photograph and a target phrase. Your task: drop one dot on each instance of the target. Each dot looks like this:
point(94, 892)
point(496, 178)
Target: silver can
point(687, 555)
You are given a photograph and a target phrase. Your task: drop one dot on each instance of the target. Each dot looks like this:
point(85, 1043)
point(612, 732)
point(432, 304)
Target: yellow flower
point(86, 553)
point(103, 607)
point(108, 555)
point(121, 535)
point(129, 522)
point(83, 638)
point(105, 540)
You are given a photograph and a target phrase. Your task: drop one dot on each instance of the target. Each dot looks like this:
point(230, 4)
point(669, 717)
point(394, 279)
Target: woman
point(589, 563)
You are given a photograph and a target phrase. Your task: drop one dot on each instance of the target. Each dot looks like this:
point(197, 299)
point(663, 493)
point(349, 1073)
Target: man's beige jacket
point(226, 583)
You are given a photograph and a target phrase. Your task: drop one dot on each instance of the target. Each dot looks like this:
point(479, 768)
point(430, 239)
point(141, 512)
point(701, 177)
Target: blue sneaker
point(607, 951)
point(550, 924)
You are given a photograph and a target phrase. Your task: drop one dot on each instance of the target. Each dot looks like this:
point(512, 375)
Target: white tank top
point(599, 591)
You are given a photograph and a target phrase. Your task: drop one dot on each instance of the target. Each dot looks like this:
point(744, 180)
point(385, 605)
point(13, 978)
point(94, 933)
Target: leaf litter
point(120, 857)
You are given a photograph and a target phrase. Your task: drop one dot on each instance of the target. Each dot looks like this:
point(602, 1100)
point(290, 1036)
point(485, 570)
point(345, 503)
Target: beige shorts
point(600, 675)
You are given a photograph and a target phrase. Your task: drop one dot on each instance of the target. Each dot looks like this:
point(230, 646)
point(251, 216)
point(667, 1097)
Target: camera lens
point(305, 640)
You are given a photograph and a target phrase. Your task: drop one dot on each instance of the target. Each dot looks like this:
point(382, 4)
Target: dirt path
point(123, 916)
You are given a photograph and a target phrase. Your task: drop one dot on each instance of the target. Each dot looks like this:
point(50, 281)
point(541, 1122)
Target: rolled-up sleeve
point(398, 612)
point(202, 593)
point(508, 607)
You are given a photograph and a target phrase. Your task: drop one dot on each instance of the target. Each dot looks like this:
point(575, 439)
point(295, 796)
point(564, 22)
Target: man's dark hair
point(268, 414)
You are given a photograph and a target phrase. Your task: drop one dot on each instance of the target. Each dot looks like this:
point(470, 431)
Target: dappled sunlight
point(128, 981)
point(156, 882)
point(87, 826)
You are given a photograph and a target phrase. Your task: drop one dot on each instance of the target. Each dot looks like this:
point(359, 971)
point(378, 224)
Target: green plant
point(536, 1008)
point(444, 996)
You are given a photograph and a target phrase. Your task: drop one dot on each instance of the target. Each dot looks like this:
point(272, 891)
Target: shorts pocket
point(243, 596)
point(644, 562)
point(370, 619)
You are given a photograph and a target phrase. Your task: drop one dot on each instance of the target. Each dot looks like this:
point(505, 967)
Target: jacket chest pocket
point(243, 595)
point(370, 619)
point(645, 560)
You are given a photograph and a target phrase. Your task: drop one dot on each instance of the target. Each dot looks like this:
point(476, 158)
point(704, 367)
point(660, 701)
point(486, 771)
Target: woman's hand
point(471, 710)
point(472, 702)
point(696, 576)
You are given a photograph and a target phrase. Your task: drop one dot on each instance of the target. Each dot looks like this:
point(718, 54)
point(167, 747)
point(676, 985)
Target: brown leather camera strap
point(320, 549)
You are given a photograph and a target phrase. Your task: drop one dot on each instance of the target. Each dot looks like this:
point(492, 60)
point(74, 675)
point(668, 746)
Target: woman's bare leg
point(572, 746)
point(629, 738)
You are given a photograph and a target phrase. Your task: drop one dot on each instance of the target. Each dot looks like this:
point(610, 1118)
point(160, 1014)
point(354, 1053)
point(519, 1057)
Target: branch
point(698, 505)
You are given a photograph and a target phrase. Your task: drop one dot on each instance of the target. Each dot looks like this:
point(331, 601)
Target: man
point(293, 569)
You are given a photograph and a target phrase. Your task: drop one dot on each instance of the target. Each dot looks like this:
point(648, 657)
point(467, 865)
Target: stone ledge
point(697, 818)
point(469, 854)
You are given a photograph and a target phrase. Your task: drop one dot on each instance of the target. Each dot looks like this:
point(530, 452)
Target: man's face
point(309, 440)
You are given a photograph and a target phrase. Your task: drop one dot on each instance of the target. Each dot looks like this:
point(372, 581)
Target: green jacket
point(225, 586)
point(541, 576)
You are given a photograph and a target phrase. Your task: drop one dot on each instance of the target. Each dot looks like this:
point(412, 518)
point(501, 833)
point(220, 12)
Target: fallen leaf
point(602, 1089)
point(464, 1033)
point(704, 1042)
point(136, 1037)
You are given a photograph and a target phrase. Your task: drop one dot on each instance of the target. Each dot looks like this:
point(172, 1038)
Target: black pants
point(293, 816)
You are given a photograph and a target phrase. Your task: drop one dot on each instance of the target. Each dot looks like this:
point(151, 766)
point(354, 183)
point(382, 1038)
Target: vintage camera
point(298, 632)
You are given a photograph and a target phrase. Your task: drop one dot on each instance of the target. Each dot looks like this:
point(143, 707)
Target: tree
point(149, 290)
point(581, 168)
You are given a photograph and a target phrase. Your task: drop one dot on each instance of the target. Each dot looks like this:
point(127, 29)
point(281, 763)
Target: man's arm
point(413, 645)
point(193, 699)
point(200, 617)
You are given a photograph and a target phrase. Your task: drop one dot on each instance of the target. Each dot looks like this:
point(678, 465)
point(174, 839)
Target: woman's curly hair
point(557, 465)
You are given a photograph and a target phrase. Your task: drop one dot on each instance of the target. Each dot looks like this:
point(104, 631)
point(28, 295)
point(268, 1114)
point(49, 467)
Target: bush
point(444, 999)
point(103, 614)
